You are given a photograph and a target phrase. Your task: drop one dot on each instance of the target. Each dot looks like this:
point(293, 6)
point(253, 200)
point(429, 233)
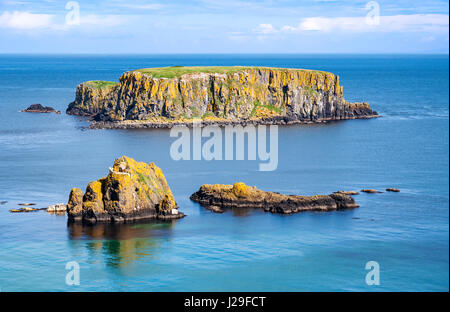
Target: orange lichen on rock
point(75, 204)
point(240, 189)
point(132, 190)
point(218, 197)
point(233, 93)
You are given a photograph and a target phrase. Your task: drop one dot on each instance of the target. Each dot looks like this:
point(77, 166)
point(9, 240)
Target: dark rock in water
point(218, 197)
point(3, 202)
point(131, 191)
point(347, 192)
point(391, 189)
point(38, 108)
point(27, 209)
point(370, 191)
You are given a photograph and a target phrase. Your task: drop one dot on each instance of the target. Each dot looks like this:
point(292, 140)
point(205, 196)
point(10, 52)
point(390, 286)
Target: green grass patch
point(208, 114)
point(101, 84)
point(195, 112)
point(270, 107)
point(310, 90)
point(178, 71)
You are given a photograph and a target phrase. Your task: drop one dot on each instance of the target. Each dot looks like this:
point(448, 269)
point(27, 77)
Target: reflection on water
point(57, 213)
point(121, 244)
point(236, 211)
point(242, 212)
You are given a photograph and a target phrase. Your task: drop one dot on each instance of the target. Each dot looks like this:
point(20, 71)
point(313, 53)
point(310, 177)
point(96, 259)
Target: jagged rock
point(38, 108)
point(75, 204)
point(131, 191)
point(370, 191)
point(92, 97)
point(347, 192)
point(391, 189)
point(218, 197)
point(232, 94)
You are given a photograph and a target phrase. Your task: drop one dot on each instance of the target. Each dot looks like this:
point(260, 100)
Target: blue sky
point(220, 26)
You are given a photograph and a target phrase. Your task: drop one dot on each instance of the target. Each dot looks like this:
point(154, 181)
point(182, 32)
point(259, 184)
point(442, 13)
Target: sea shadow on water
point(120, 244)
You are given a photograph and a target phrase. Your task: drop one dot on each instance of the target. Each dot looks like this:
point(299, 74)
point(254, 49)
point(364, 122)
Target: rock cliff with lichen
point(218, 93)
point(219, 197)
point(131, 191)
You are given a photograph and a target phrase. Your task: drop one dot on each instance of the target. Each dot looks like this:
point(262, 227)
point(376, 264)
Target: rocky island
point(38, 108)
point(218, 197)
point(131, 191)
point(163, 97)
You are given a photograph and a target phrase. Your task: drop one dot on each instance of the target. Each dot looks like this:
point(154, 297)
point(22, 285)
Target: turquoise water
point(42, 156)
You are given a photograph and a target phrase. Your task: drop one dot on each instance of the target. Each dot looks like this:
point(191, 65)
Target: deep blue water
point(42, 156)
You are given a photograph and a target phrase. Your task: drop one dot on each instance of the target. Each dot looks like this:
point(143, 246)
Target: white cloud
point(265, 29)
point(396, 23)
point(19, 20)
point(25, 20)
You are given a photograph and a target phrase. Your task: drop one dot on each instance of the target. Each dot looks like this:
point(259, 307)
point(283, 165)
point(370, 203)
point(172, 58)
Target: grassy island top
point(178, 71)
point(99, 84)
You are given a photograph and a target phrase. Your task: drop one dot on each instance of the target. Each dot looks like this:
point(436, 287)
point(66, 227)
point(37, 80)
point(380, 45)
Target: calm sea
point(42, 156)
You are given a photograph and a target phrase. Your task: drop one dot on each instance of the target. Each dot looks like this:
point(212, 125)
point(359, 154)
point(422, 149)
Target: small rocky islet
point(371, 191)
point(392, 189)
point(27, 209)
point(38, 108)
point(135, 191)
point(219, 197)
point(164, 97)
point(131, 191)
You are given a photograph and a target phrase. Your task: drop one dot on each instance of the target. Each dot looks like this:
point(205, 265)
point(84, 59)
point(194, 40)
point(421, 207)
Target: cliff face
point(131, 191)
point(246, 93)
point(91, 98)
point(219, 197)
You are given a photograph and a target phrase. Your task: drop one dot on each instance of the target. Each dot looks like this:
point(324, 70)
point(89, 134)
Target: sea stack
point(218, 197)
point(131, 191)
point(236, 94)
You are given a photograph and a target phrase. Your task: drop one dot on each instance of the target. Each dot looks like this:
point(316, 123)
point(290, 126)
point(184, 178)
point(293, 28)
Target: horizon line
point(228, 53)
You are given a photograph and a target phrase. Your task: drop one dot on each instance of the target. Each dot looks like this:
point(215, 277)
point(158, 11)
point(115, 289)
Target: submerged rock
point(218, 197)
point(38, 108)
point(391, 189)
point(215, 209)
point(370, 191)
point(347, 192)
point(131, 191)
point(26, 209)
